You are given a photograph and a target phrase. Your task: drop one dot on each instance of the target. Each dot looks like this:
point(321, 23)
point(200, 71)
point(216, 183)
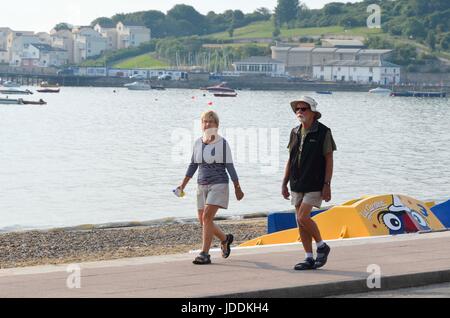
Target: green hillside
point(265, 29)
point(141, 61)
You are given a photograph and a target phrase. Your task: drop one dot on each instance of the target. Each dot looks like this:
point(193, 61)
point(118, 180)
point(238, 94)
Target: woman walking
point(212, 157)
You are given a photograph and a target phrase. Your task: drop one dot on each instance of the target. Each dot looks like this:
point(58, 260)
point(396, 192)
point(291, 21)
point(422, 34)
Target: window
point(370, 69)
point(354, 69)
point(322, 68)
point(339, 68)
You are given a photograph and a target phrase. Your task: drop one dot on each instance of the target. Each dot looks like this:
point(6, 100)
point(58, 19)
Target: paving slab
point(409, 260)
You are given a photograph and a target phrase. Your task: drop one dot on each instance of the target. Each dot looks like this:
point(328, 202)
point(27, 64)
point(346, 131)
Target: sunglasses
point(302, 109)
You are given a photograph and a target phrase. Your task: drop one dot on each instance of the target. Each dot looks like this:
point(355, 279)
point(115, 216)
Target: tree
point(62, 26)
point(286, 11)
point(445, 41)
point(431, 40)
point(103, 22)
point(231, 30)
point(276, 32)
point(188, 13)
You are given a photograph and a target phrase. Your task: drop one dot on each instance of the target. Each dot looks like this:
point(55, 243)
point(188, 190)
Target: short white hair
point(210, 114)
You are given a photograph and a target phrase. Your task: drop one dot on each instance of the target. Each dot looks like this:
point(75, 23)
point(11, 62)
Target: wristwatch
point(327, 183)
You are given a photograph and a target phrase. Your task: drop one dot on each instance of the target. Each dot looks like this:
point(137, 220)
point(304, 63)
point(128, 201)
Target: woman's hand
point(285, 191)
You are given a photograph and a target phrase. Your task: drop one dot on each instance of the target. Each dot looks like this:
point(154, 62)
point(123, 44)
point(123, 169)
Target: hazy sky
point(42, 15)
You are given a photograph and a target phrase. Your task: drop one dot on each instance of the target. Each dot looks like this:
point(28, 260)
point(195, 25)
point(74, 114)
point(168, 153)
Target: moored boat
point(13, 91)
point(10, 101)
point(46, 84)
point(324, 92)
point(221, 88)
point(48, 90)
point(224, 94)
point(30, 102)
point(380, 90)
point(138, 86)
point(10, 84)
point(419, 94)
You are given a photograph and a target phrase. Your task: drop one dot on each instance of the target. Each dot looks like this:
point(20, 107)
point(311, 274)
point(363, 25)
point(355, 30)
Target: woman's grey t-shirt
point(214, 160)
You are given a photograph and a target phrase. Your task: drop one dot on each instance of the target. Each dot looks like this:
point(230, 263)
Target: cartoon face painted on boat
point(400, 218)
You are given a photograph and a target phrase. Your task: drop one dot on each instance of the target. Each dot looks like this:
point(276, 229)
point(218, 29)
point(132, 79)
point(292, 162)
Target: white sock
point(320, 244)
point(309, 255)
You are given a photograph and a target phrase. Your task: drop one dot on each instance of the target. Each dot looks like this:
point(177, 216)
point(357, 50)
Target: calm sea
point(93, 155)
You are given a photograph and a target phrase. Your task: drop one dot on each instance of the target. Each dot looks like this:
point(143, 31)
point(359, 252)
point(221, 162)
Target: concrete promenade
point(405, 261)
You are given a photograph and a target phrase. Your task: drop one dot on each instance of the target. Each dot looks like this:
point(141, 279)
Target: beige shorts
point(213, 194)
point(313, 198)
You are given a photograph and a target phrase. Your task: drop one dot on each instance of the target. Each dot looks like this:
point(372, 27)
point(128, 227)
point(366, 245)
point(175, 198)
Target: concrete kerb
point(348, 287)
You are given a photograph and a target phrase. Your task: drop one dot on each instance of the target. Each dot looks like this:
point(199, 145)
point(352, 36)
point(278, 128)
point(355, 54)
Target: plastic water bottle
point(179, 193)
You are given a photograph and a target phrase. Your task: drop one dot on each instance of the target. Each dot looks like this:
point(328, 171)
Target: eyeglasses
point(302, 109)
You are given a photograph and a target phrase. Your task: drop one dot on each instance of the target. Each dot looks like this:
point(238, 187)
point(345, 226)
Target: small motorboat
point(380, 90)
point(418, 94)
point(46, 84)
point(225, 94)
point(159, 88)
point(324, 92)
point(138, 86)
point(10, 101)
point(10, 84)
point(48, 90)
point(29, 102)
point(13, 91)
point(221, 88)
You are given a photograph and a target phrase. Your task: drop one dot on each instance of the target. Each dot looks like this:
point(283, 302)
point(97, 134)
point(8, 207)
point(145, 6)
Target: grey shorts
point(213, 194)
point(313, 198)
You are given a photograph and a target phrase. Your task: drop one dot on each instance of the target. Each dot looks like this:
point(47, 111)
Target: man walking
point(309, 171)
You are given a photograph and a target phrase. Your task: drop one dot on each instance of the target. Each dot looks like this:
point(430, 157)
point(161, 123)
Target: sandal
point(226, 246)
point(202, 259)
point(305, 265)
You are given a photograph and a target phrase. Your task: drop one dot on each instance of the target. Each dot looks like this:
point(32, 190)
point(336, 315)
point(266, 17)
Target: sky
point(43, 15)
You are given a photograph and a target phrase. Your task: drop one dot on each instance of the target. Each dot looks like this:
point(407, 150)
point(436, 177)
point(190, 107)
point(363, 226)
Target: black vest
point(309, 176)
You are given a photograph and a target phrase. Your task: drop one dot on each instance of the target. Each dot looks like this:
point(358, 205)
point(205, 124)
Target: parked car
point(138, 76)
point(66, 71)
point(165, 77)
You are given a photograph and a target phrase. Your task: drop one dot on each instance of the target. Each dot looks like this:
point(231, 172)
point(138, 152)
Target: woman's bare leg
point(209, 228)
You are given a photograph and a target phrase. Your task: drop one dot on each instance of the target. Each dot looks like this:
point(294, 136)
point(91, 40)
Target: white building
point(20, 48)
point(4, 33)
point(364, 72)
point(44, 37)
point(111, 36)
point(41, 55)
point(260, 65)
point(302, 59)
point(63, 39)
point(131, 35)
point(87, 43)
point(4, 57)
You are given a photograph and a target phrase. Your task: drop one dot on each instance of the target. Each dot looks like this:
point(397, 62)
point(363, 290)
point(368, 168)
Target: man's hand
point(285, 192)
point(326, 193)
point(239, 193)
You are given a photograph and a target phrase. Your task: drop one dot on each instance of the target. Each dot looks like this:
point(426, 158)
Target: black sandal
point(202, 259)
point(226, 246)
point(305, 265)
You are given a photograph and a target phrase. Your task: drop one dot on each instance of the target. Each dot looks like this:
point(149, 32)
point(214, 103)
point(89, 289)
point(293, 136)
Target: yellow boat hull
point(367, 216)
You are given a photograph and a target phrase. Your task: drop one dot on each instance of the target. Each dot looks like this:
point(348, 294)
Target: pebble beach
point(65, 246)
